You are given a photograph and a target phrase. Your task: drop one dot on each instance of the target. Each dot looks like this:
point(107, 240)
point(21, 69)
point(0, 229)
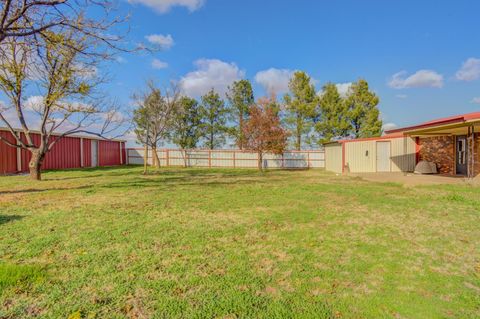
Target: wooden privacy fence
point(229, 158)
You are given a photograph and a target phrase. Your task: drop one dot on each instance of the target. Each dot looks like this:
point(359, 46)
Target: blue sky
point(411, 52)
point(421, 57)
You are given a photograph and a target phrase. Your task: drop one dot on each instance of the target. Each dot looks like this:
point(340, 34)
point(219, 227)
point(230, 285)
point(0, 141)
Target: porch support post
point(470, 150)
point(405, 150)
point(472, 161)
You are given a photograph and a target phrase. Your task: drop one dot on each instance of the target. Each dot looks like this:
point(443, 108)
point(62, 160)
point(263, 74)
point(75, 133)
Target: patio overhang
point(453, 125)
point(465, 128)
point(459, 128)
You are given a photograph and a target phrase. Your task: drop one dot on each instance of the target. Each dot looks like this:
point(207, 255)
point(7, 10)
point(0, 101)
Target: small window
point(461, 145)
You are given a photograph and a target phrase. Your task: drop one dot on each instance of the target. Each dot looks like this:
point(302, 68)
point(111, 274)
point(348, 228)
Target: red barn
point(74, 151)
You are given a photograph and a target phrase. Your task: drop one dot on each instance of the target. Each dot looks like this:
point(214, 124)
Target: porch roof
point(453, 125)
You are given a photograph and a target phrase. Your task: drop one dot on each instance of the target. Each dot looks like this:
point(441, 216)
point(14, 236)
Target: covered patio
point(451, 143)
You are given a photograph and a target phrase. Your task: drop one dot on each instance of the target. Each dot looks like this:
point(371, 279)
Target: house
point(452, 143)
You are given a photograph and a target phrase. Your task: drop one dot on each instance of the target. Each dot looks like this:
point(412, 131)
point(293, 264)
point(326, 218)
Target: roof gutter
point(86, 136)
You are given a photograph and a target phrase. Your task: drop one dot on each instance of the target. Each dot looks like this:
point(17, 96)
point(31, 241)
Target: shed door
point(94, 153)
point(462, 155)
point(383, 156)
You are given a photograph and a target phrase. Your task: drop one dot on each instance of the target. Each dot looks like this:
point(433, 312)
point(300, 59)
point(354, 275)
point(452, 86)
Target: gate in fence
point(229, 158)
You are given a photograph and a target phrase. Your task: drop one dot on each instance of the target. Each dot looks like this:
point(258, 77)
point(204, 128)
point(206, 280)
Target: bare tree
point(64, 78)
point(52, 49)
point(26, 18)
point(154, 116)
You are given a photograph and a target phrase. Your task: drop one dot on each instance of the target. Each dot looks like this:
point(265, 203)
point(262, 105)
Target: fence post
point(168, 157)
point(308, 159)
point(234, 158)
point(283, 160)
point(209, 158)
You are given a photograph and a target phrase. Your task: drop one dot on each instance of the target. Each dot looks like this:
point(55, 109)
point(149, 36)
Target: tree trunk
point(240, 136)
point(185, 163)
point(299, 134)
point(156, 160)
point(260, 160)
point(35, 165)
point(145, 159)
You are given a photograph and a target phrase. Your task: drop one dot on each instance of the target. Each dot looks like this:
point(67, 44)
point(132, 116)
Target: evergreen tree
point(300, 107)
point(333, 116)
point(363, 111)
point(214, 118)
point(240, 97)
point(187, 124)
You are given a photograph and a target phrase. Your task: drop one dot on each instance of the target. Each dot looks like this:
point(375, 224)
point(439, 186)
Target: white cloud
point(34, 103)
point(421, 78)
point(389, 126)
point(163, 6)
point(469, 71)
point(274, 81)
point(121, 60)
point(157, 64)
point(164, 42)
point(131, 139)
point(31, 118)
point(401, 96)
point(476, 100)
point(86, 71)
point(343, 88)
point(210, 73)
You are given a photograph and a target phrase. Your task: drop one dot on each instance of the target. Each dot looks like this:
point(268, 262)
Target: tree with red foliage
point(263, 132)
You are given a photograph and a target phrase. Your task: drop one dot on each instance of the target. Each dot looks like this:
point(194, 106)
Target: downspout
point(417, 150)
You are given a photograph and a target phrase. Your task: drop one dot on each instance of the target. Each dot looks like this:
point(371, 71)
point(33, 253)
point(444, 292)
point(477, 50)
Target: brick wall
point(441, 151)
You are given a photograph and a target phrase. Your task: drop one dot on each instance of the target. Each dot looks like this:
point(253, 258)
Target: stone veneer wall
point(441, 151)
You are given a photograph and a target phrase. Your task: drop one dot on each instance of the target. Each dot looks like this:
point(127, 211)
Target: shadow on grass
point(9, 218)
point(41, 190)
point(124, 170)
point(179, 181)
point(162, 177)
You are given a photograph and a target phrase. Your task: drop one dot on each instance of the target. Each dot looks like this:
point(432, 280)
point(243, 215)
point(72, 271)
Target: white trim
point(86, 136)
point(121, 157)
point(19, 159)
point(81, 152)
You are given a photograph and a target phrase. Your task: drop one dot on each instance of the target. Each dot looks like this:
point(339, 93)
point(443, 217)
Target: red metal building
point(70, 152)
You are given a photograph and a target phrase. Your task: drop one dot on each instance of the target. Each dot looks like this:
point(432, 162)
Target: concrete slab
point(411, 179)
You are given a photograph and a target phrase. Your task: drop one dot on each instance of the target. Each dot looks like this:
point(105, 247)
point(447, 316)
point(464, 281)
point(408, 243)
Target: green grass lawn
point(197, 243)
